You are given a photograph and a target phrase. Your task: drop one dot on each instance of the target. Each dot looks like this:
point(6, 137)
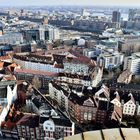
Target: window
point(89, 116)
point(85, 116)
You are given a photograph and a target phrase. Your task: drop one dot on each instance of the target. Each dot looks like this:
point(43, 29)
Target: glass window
point(89, 116)
point(85, 116)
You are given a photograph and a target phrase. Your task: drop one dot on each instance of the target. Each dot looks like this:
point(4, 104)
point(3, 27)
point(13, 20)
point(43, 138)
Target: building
point(102, 97)
point(134, 14)
point(39, 120)
point(116, 16)
point(59, 94)
point(40, 62)
point(44, 68)
point(82, 71)
point(83, 109)
point(29, 75)
point(110, 60)
point(106, 134)
point(52, 34)
point(11, 38)
point(132, 63)
point(115, 109)
point(7, 97)
point(32, 34)
point(129, 105)
point(131, 44)
point(82, 80)
point(125, 77)
point(44, 33)
point(5, 50)
point(28, 127)
point(84, 104)
point(110, 44)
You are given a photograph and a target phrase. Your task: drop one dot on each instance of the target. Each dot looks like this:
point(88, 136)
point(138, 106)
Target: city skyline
point(70, 2)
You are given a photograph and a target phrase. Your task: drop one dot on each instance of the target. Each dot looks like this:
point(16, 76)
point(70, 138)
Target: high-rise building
point(134, 15)
point(116, 16)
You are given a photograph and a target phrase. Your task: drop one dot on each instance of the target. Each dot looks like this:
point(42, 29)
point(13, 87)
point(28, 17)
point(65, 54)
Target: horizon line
point(80, 5)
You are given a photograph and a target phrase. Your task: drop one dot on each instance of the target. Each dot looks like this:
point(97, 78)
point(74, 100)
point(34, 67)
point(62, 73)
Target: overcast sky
point(69, 2)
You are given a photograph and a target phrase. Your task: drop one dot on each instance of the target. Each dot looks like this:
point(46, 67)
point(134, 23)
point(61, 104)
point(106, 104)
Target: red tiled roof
point(5, 57)
point(1, 65)
point(35, 72)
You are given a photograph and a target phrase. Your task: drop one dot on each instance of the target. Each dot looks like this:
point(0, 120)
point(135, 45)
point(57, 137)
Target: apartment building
point(129, 105)
point(125, 77)
point(39, 62)
point(132, 63)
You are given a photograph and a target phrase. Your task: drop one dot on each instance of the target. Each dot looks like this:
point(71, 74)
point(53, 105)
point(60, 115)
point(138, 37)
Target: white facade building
point(110, 60)
point(58, 95)
point(76, 68)
point(80, 79)
point(129, 106)
point(132, 63)
point(37, 66)
point(53, 34)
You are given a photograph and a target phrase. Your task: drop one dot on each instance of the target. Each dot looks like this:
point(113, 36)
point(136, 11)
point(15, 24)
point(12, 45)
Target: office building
point(110, 60)
point(132, 63)
point(116, 16)
point(44, 33)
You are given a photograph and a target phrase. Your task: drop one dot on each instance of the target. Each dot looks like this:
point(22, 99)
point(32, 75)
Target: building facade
point(132, 63)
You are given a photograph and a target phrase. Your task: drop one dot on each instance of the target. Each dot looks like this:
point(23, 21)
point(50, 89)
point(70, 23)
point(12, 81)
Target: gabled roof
point(117, 113)
point(103, 92)
point(29, 120)
point(129, 98)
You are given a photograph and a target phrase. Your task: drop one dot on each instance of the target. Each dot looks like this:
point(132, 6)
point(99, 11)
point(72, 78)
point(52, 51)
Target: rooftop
point(29, 120)
point(123, 76)
point(108, 134)
point(35, 72)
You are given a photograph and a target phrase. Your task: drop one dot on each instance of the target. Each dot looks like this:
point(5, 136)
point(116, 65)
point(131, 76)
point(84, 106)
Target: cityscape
point(69, 70)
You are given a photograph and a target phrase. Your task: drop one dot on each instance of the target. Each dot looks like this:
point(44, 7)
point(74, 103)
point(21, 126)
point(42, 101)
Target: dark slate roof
point(90, 91)
point(59, 88)
point(29, 120)
point(36, 102)
point(102, 105)
point(124, 95)
point(77, 99)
